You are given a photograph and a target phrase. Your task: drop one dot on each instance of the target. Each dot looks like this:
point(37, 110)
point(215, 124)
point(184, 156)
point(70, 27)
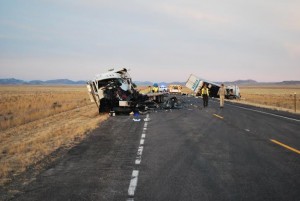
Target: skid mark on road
point(285, 146)
point(138, 160)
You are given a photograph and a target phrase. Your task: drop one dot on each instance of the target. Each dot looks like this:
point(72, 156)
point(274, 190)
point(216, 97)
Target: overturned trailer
point(114, 91)
point(195, 84)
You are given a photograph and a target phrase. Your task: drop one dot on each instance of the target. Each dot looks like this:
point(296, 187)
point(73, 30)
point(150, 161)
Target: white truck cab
point(114, 91)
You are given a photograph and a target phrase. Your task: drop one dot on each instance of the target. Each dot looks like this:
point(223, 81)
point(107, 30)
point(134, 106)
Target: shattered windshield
point(103, 83)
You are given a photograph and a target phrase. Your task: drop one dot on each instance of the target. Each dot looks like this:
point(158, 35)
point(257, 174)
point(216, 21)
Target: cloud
point(27, 31)
point(16, 25)
point(191, 14)
point(293, 49)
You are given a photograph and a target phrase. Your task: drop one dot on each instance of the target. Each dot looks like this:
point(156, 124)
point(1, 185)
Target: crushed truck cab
point(114, 91)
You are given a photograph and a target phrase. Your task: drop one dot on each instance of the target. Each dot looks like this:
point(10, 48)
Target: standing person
point(205, 94)
point(221, 93)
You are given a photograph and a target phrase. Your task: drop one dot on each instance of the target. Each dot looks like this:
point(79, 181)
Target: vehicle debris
point(172, 103)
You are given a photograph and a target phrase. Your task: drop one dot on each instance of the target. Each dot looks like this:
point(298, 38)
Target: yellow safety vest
point(204, 91)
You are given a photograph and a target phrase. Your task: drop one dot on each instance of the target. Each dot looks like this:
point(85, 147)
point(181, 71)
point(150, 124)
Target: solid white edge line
point(276, 115)
point(133, 182)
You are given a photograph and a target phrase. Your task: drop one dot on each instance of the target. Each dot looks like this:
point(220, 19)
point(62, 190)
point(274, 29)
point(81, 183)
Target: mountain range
point(237, 82)
point(13, 81)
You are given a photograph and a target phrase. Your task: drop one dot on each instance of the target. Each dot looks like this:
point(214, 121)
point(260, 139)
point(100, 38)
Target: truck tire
point(105, 106)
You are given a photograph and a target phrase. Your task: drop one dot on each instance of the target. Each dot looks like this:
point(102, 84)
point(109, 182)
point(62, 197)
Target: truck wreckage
point(195, 84)
point(114, 91)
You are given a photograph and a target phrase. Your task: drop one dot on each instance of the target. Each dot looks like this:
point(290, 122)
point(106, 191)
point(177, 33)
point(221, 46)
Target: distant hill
point(292, 82)
point(148, 83)
point(64, 81)
point(141, 83)
point(242, 82)
point(253, 82)
point(13, 81)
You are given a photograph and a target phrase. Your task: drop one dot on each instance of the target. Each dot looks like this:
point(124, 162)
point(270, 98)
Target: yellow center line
point(218, 116)
point(285, 146)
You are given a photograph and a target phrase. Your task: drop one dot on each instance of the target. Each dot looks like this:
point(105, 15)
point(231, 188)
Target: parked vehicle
point(175, 89)
point(233, 92)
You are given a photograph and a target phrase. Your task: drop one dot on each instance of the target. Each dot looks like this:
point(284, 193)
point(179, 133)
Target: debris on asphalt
point(172, 103)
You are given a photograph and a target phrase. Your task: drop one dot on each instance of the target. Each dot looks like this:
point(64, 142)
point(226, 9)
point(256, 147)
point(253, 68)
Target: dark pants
point(205, 100)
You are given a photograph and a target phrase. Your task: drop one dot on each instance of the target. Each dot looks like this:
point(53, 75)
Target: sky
point(159, 41)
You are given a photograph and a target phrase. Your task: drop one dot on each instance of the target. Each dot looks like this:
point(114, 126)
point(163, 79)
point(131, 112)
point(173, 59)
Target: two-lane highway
point(220, 154)
point(193, 153)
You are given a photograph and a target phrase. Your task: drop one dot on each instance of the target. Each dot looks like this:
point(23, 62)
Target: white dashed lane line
point(138, 160)
point(139, 155)
point(133, 182)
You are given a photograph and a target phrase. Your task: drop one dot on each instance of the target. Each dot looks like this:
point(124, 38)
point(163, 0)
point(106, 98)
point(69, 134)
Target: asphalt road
point(193, 153)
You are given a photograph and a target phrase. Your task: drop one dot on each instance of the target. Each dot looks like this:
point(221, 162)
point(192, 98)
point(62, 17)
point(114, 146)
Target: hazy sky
point(158, 40)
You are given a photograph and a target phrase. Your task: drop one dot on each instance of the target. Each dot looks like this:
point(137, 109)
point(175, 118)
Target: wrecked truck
point(114, 91)
point(195, 84)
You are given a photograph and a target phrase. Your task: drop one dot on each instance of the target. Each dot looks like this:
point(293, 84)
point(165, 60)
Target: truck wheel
point(104, 105)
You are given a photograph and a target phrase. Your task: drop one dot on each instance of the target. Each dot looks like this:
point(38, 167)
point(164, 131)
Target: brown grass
point(23, 104)
point(275, 97)
point(43, 128)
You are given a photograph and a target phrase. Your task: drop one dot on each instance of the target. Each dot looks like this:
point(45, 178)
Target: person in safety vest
point(155, 88)
point(205, 94)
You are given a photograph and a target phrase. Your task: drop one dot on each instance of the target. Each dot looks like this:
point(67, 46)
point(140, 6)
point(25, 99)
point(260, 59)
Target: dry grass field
point(37, 120)
point(274, 97)
point(23, 104)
